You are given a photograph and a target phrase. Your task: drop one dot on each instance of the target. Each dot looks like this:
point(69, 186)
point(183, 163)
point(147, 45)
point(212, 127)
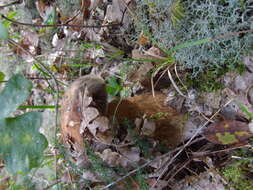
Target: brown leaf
point(44, 8)
point(142, 39)
point(148, 128)
point(30, 42)
point(131, 154)
point(156, 53)
point(228, 132)
point(101, 123)
point(110, 157)
point(91, 176)
point(83, 101)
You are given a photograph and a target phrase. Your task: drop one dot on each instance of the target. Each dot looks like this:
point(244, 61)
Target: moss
point(210, 79)
point(236, 179)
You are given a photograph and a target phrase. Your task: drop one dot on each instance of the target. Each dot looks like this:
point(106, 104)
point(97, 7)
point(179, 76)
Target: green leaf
point(22, 145)
point(113, 87)
point(14, 94)
point(245, 111)
point(2, 75)
point(3, 31)
point(10, 15)
point(51, 17)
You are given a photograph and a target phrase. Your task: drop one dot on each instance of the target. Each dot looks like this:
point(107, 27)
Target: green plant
point(246, 111)
point(3, 31)
point(106, 173)
point(22, 145)
point(113, 86)
point(235, 175)
point(199, 22)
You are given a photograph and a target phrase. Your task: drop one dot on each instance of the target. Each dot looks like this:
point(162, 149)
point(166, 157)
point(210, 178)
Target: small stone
point(248, 61)
point(240, 83)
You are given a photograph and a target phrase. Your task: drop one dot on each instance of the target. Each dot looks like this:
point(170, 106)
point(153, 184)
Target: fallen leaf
point(156, 53)
point(148, 128)
point(110, 157)
point(142, 39)
point(160, 184)
point(228, 132)
point(29, 42)
point(83, 101)
point(100, 123)
point(91, 176)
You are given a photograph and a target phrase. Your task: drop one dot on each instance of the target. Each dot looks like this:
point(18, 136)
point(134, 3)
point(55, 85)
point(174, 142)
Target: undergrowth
point(173, 22)
point(236, 178)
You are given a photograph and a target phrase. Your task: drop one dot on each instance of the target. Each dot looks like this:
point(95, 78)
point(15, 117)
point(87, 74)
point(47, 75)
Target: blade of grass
point(37, 107)
point(245, 110)
point(188, 44)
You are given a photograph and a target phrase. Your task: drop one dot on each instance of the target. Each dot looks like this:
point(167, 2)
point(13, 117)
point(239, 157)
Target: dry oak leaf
point(228, 132)
point(87, 93)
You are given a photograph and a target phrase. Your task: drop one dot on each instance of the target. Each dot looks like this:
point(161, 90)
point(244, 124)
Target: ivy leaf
point(14, 94)
point(22, 145)
point(3, 31)
point(2, 75)
point(228, 132)
point(113, 87)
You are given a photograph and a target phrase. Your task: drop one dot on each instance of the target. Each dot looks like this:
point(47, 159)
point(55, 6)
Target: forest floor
point(166, 123)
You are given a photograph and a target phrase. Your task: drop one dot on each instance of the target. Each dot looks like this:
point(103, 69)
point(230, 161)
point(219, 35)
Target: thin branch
point(231, 34)
point(12, 3)
point(51, 185)
point(59, 25)
point(147, 163)
point(206, 153)
point(188, 143)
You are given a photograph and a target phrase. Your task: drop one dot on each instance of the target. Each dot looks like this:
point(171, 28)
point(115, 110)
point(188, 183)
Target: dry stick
point(231, 34)
point(51, 185)
point(194, 135)
point(200, 154)
point(247, 94)
point(57, 93)
point(10, 4)
point(179, 169)
point(147, 163)
point(127, 175)
point(59, 25)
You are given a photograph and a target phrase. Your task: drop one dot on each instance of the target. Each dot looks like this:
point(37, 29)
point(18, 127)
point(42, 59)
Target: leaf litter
point(141, 125)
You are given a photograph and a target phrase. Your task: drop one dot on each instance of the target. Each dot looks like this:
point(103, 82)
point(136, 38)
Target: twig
point(127, 175)
point(59, 25)
point(247, 94)
point(51, 185)
point(200, 154)
point(12, 3)
point(147, 163)
point(188, 143)
point(179, 169)
point(231, 34)
point(241, 158)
